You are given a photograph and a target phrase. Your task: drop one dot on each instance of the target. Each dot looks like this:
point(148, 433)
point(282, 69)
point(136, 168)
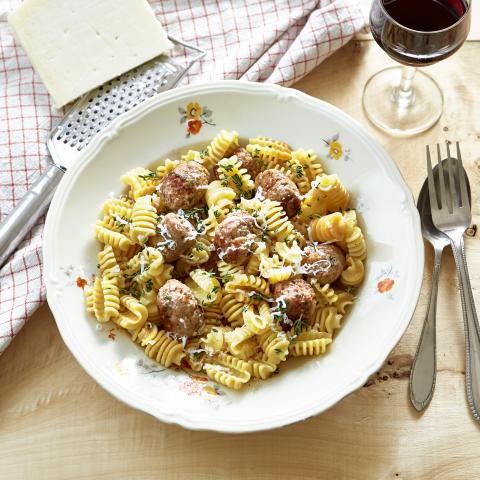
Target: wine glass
point(401, 100)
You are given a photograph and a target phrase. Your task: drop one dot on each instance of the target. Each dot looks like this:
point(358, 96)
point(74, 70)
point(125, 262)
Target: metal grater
point(89, 116)
point(98, 108)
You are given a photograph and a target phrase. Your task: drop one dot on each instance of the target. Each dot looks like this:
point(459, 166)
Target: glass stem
point(404, 95)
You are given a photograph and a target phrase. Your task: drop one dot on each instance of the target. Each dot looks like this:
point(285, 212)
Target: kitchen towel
point(277, 41)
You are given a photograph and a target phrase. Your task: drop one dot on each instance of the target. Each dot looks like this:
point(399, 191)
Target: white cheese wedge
point(77, 45)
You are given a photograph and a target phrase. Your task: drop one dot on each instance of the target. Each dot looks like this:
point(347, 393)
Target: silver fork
point(451, 214)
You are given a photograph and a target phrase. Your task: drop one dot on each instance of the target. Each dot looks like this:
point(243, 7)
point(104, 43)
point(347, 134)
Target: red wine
point(420, 32)
point(425, 15)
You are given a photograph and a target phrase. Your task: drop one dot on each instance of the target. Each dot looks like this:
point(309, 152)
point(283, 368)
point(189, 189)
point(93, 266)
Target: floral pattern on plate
point(386, 281)
point(336, 150)
point(195, 116)
point(189, 384)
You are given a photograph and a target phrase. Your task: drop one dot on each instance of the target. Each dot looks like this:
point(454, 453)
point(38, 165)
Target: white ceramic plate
point(304, 387)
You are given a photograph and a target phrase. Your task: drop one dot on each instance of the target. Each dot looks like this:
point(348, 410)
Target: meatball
point(252, 165)
point(235, 238)
point(277, 186)
point(183, 187)
point(324, 262)
point(176, 237)
point(296, 298)
point(179, 310)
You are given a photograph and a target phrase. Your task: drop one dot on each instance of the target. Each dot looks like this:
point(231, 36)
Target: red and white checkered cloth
point(276, 41)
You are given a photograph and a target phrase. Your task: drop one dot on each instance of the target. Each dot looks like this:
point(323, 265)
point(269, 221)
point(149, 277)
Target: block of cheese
point(77, 45)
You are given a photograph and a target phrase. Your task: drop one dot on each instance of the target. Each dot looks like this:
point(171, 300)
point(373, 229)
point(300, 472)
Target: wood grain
point(56, 423)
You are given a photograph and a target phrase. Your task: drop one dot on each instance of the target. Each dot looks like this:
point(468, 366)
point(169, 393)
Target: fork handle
point(472, 329)
point(424, 368)
point(24, 216)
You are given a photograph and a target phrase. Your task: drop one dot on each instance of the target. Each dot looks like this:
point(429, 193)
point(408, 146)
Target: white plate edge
point(145, 108)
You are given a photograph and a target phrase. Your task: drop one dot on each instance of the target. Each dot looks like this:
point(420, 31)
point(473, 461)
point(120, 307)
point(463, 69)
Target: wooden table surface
point(57, 423)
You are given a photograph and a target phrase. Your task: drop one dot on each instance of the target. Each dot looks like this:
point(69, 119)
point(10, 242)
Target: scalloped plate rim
point(171, 417)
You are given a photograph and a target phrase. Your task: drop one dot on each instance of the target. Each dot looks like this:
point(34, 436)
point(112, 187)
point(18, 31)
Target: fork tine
point(462, 180)
point(453, 191)
point(441, 179)
point(431, 183)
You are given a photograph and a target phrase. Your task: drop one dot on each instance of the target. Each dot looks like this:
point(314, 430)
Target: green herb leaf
point(258, 296)
point(135, 290)
point(148, 175)
point(299, 325)
point(227, 168)
point(237, 180)
point(197, 355)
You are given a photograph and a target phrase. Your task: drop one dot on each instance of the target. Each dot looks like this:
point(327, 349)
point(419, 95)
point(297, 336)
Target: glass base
point(397, 113)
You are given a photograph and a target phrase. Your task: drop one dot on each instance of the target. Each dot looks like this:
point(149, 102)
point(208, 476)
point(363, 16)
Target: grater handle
point(26, 214)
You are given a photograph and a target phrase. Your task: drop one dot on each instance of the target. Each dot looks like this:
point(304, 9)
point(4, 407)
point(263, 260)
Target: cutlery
point(451, 215)
point(423, 372)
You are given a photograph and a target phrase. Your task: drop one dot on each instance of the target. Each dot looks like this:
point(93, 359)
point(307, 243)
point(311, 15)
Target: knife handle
point(472, 329)
point(26, 214)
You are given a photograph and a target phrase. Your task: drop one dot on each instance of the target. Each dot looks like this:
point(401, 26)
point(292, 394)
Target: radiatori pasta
point(249, 321)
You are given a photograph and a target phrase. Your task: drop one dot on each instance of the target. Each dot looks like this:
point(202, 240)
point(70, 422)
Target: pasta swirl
point(316, 346)
point(274, 345)
point(205, 287)
point(232, 309)
point(278, 225)
point(331, 228)
point(231, 378)
point(222, 146)
point(141, 182)
point(243, 283)
point(268, 155)
point(144, 219)
point(158, 345)
point(354, 273)
point(114, 239)
point(234, 176)
point(135, 314)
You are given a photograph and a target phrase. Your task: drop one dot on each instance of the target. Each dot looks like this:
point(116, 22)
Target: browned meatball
point(176, 236)
point(235, 238)
point(324, 262)
point(183, 187)
point(277, 186)
point(179, 310)
point(295, 298)
point(252, 165)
